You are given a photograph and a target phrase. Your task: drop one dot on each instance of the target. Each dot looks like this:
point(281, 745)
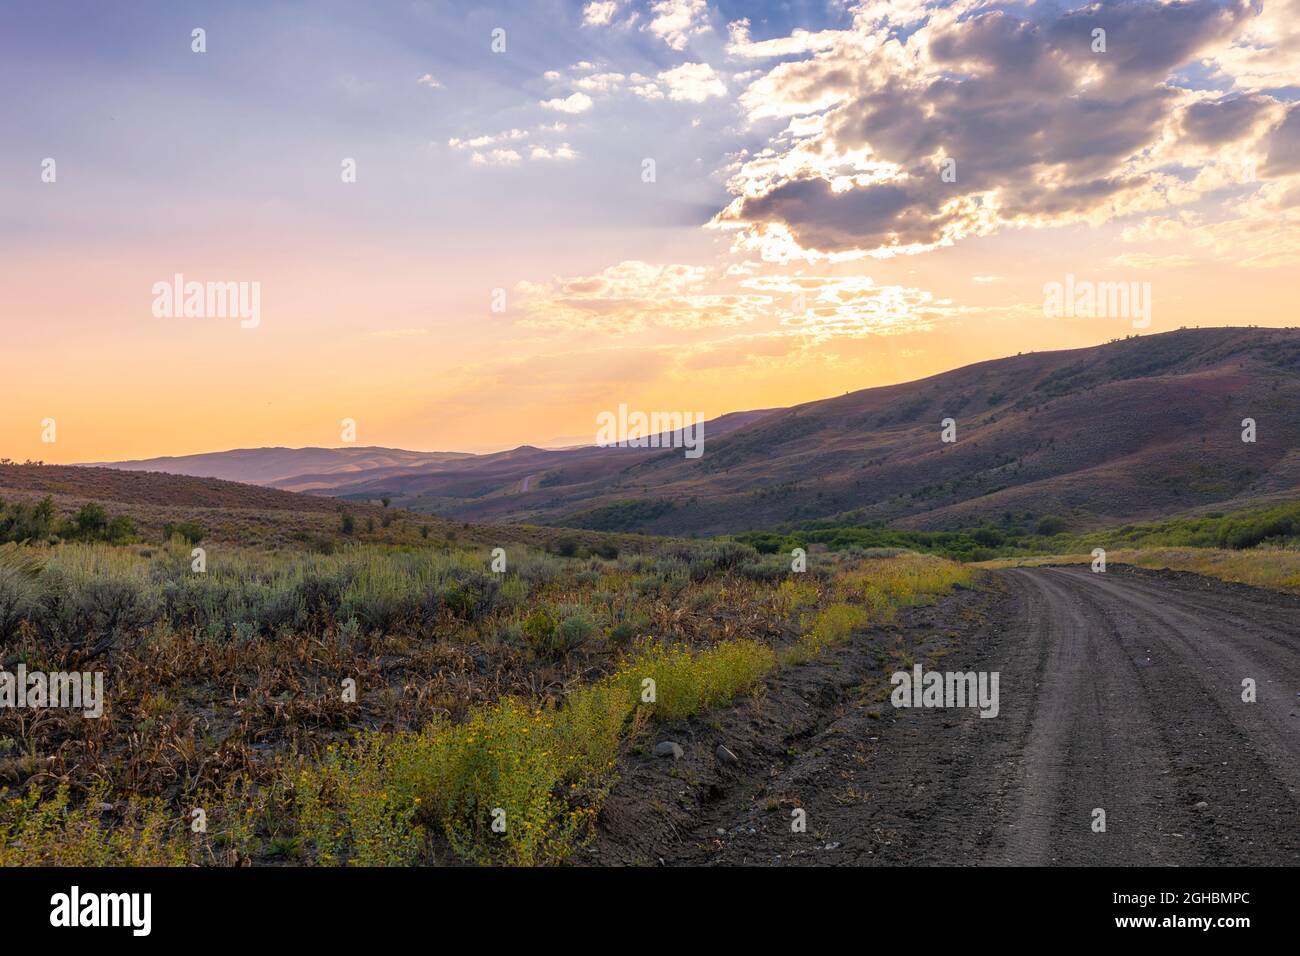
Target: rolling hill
point(286, 466)
point(1134, 429)
point(251, 516)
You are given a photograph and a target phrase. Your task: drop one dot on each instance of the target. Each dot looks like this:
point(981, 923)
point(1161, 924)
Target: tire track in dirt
point(1082, 751)
point(1234, 782)
point(1119, 690)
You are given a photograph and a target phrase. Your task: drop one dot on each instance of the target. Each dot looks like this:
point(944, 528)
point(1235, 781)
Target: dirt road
point(1119, 691)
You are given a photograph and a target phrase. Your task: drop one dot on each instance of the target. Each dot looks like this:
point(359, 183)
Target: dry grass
point(1278, 569)
point(235, 704)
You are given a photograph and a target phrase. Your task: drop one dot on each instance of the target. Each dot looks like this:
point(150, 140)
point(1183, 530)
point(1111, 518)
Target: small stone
point(725, 755)
point(669, 749)
point(1202, 805)
point(721, 832)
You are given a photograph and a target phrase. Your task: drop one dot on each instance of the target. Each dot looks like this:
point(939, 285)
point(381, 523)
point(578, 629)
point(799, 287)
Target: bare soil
point(1120, 691)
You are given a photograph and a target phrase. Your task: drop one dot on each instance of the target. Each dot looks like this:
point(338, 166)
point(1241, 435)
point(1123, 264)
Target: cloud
point(1145, 260)
point(686, 82)
point(1284, 145)
point(693, 82)
point(599, 14)
point(574, 103)
point(1031, 126)
point(600, 82)
point(798, 42)
point(496, 157)
point(1159, 228)
point(487, 149)
point(429, 80)
point(677, 21)
point(561, 152)
point(1224, 120)
point(493, 149)
point(645, 88)
point(488, 139)
point(1265, 54)
point(822, 307)
point(634, 296)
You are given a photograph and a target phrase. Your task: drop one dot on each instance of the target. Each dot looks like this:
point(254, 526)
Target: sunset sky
point(798, 238)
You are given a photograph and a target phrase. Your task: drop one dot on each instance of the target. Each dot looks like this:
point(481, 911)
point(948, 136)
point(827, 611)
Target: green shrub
point(688, 681)
point(575, 627)
point(627, 631)
point(1049, 525)
point(832, 625)
point(540, 773)
point(49, 832)
point(566, 547)
point(190, 531)
point(18, 595)
point(548, 636)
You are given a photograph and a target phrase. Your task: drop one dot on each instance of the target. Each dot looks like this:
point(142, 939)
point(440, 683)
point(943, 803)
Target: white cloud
point(1266, 55)
point(633, 296)
point(574, 103)
point(488, 139)
point(496, 157)
point(560, 152)
point(599, 14)
point(676, 21)
point(800, 41)
point(693, 82)
point(429, 80)
point(600, 82)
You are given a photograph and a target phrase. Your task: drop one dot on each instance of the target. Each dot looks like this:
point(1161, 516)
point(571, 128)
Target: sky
point(474, 226)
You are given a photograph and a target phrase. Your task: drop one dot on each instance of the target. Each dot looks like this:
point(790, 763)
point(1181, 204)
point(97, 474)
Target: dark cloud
point(1145, 39)
point(1022, 104)
point(1215, 122)
point(1284, 145)
point(878, 216)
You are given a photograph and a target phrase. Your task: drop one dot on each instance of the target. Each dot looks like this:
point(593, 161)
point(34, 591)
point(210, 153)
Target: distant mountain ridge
point(1130, 430)
point(327, 469)
point(266, 466)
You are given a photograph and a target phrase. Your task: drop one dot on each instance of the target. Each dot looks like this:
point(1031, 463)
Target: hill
point(1131, 430)
point(1134, 429)
point(269, 466)
point(252, 516)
